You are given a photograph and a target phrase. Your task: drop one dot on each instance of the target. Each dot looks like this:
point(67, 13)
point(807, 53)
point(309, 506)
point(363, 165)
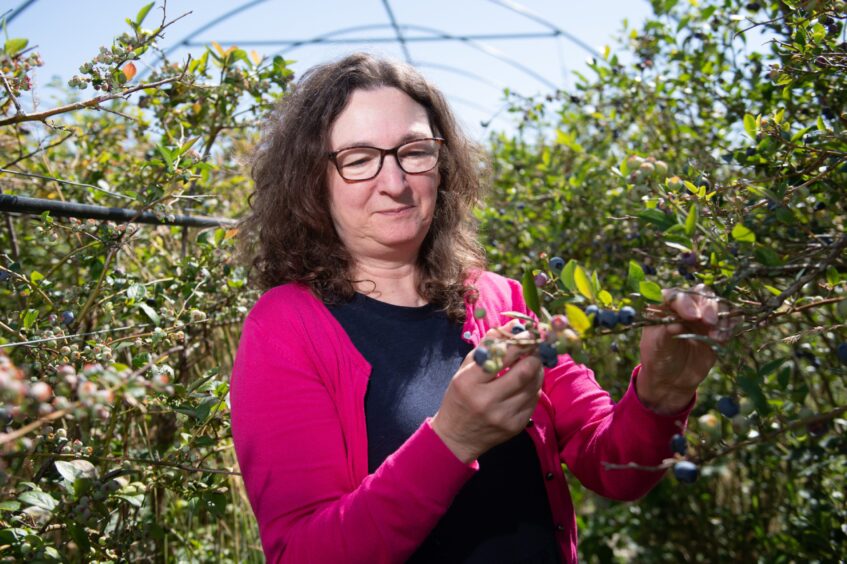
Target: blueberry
point(688, 259)
point(685, 471)
point(607, 318)
point(518, 328)
point(841, 351)
point(67, 317)
point(592, 310)
point(541, 279)
point(557, 263)
point(480, 355)
point(728, 407)
point(3, 275)
point(626, 315)
point(678, 444)
point(549, 357)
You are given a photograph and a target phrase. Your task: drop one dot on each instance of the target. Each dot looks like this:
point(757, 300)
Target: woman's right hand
point(481, 410)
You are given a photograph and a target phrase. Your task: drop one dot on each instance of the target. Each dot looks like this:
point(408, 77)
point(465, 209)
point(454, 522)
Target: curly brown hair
point(289, 233)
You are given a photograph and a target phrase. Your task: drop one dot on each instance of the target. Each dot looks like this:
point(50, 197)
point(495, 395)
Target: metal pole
point(36, 206)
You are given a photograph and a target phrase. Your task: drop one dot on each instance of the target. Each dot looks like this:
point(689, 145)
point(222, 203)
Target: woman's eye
point(357, 161)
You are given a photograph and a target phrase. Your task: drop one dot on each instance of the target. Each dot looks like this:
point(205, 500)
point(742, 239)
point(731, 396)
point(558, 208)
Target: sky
point(68, 33)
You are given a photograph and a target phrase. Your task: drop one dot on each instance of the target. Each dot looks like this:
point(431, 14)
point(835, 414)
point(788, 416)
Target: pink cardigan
point(298, 424)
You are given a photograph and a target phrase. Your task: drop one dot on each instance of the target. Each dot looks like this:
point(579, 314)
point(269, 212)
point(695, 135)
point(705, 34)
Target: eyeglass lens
point(363, 163)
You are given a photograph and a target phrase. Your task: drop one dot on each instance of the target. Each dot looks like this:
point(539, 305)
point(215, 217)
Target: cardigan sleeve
point(592, 429)
point(288, 438)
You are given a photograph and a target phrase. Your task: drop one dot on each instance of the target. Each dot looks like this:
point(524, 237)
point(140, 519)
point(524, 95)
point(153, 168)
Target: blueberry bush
point(115, 441)
point(707, 146)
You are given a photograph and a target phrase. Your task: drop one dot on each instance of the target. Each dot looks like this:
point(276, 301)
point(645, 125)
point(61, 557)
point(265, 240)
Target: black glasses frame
point(382, 153)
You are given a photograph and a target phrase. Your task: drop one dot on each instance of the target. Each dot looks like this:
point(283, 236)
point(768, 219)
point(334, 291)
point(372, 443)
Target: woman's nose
point(391, 178)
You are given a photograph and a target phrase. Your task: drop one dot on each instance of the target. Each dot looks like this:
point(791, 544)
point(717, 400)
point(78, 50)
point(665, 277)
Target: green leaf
point(605, 298)
point(73, 469)
point(39, 499)
point(770, 367)
point(657, 218)
point(750, 125)
point(691, 220)
point(583, 283)
point(650, 291)
point(530, 292)
point(151, 313)
point(136, 292)
point(167, 154)
point(577, 318)
point(142, 13)
point(15, 46)
point(634, 275)
point(136, 500)
point(772, 290)
point(742, 233)
point(567, 275)
point(833, 277)
point(751, 388)
point(10, 505)
point(29, 318)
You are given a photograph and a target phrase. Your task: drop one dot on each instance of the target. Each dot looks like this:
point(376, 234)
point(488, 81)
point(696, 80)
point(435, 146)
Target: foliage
point(716, 154)
point(117, 442)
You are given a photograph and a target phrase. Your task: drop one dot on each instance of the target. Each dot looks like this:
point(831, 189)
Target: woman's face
point(386, 217)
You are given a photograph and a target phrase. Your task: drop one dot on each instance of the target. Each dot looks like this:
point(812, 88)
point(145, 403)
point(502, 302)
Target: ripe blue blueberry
point(67, 317)
point(626, 315)
point(841, 351)
point(678, 444)
point(549, 357)
point(728, 407)
point(3, 275)
point(557, 263)
point(480, 355)
point(685, 471)
point(518, 328)
point(592, 310)
point(607, 318)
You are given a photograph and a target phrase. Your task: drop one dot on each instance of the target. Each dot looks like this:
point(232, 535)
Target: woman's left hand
point(671, 368)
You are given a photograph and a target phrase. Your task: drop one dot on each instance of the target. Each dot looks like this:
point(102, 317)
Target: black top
point(501, 515)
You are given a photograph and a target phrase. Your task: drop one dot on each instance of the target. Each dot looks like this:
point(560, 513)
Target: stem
point(90, 103)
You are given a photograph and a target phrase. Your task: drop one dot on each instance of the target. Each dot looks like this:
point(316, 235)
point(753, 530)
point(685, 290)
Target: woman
point(364, 430)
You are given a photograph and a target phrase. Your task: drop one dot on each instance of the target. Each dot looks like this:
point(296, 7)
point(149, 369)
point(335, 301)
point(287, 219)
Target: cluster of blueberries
point(685, 470)
point(608, 318)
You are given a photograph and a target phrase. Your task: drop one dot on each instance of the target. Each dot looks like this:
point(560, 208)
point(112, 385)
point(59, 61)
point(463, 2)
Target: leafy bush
point(117, 440)
point(716, 154)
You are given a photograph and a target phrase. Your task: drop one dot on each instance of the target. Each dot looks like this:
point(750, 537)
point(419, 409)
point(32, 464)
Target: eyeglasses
point(364, 163)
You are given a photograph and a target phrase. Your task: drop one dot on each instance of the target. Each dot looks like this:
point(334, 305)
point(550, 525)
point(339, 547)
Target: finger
point(493, 347)
point(682, 304)
point(525, 375)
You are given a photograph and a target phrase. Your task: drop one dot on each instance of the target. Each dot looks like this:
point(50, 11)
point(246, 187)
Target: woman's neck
point(394, 283)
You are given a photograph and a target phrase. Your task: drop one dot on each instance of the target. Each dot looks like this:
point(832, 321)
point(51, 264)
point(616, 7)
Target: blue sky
point(69, 33)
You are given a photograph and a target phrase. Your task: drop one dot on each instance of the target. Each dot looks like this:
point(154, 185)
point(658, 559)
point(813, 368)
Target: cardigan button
point(530, 423)
point(560, 527)
point(549, 476)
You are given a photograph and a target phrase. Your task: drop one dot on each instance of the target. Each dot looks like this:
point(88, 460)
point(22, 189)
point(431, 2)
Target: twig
point(36, 151)
point(63, 181)
point(633, 466)
point(17, 104)
point(15, 435)
point(93, 102)
point(773, 303)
